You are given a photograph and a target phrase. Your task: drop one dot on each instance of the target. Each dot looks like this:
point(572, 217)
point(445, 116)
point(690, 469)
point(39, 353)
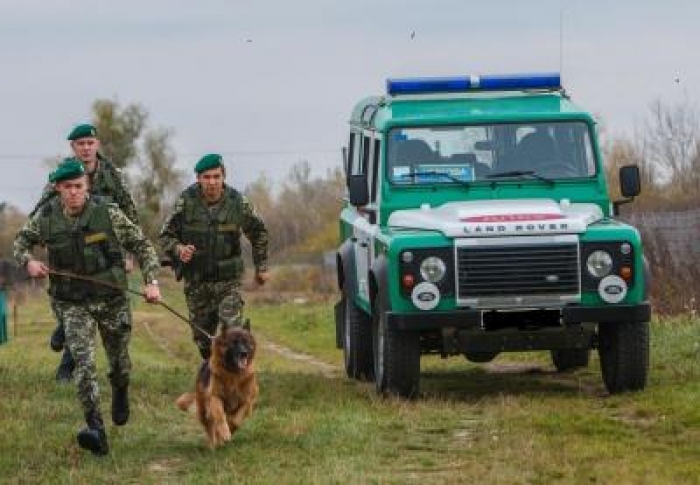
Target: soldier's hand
point(37, 269)
point(152, 293)
point(185, 252)
point(261, 277)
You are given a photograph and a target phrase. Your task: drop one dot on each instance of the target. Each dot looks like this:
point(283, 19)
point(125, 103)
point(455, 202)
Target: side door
point(366, 224)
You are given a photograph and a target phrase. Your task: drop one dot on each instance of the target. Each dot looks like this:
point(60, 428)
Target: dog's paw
point(185, 401)
point(226, 433)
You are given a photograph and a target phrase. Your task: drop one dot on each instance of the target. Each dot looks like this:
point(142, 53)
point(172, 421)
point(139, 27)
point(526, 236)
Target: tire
point(624, 356)
point(570, 359)
point(357, 342)
point(396, 357)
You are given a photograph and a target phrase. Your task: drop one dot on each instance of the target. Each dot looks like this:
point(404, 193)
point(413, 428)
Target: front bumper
point(472, 319)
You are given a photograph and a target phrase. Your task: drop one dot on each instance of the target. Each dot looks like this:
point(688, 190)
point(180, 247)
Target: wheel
point(624, 355)
point(357, 342)
point(396, 357)
point(569, 359)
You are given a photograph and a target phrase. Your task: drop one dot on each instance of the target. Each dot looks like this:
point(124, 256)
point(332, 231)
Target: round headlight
point(599, 263)
point(432, 269)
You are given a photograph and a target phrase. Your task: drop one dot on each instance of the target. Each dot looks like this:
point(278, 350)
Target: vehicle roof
point(382, 113)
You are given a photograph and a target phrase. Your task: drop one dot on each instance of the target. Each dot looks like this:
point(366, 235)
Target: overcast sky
point(270, 83)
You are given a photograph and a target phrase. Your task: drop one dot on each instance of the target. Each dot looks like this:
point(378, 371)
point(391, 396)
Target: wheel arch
point(345, 268)
point(379, 281)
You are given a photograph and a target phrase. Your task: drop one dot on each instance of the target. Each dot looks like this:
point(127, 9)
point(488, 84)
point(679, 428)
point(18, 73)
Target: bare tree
point(671, 142)
point(303, 216)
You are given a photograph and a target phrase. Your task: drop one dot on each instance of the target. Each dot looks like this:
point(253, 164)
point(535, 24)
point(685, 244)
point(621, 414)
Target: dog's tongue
point(242, 362)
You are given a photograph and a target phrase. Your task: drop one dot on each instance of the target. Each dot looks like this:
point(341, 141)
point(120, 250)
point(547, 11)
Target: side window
point(356, 164)
point(366, 145)
point(375, 170)
point(350, 154)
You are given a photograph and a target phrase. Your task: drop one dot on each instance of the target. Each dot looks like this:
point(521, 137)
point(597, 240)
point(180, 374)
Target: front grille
point(505, 271)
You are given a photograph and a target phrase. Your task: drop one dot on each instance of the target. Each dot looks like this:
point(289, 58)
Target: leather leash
point(129, 290)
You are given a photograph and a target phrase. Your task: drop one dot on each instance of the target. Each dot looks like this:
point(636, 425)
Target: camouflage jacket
point(249, 222)
point(108, 183)
point(128, 235)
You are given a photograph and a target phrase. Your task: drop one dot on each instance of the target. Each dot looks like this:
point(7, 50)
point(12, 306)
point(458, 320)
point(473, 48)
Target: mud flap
point(339, 310)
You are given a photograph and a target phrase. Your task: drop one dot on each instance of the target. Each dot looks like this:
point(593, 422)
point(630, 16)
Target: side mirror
point(630, 185)
point(357, 188)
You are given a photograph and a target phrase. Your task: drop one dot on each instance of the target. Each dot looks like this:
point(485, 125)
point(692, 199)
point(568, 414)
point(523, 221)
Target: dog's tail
point(185, 401)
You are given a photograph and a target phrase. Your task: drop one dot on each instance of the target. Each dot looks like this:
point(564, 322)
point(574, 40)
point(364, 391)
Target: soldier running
point(87, 237)
point(202, 236)
point(106, 181)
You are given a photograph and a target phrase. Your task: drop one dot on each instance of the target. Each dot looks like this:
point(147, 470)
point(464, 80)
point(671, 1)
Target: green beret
point(82, 131)
point(68, 169)
point(208, 162)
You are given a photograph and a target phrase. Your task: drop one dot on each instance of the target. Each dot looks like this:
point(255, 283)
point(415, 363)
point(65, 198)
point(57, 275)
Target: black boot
point(93, 436)
point(58, 338)
point(64, 371)
point(120, 405)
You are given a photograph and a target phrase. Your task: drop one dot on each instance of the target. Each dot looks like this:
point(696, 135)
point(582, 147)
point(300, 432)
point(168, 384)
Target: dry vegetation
point(667, 150)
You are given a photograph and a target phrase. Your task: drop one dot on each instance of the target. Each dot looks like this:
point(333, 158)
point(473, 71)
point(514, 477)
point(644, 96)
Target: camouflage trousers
point(82, 321)
point(213, 304)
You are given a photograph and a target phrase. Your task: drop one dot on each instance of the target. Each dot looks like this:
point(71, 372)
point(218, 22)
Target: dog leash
point(134, 292)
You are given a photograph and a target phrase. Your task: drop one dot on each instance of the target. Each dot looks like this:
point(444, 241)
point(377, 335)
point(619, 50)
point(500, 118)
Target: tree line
point(301, 214)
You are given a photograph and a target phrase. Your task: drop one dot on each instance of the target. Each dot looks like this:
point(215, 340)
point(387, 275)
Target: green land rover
point(478, 221)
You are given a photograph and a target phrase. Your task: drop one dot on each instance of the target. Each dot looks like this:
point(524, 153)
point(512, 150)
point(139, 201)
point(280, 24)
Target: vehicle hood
point(488, 218)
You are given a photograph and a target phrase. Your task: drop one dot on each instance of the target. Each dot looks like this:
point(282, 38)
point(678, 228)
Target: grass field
point(512, 421)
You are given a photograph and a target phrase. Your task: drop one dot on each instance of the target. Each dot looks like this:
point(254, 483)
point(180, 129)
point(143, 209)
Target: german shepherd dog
point(227, 387)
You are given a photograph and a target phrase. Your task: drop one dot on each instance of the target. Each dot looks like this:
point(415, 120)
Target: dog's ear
point(246, 324)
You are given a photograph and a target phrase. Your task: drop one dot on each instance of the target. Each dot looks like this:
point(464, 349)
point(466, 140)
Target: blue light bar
point(489, 82)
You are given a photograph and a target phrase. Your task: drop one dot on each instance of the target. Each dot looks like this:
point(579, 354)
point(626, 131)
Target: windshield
point(452, 154)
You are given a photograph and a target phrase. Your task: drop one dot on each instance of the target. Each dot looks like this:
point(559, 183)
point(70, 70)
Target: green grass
point(514, 422)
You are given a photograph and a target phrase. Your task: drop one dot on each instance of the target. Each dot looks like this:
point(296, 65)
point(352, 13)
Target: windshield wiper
point(520, 173)
point(413, 175)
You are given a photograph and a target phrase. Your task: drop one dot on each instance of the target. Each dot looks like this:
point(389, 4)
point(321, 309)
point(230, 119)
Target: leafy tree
point(128, 142)
point(119, 130)
point(159, 181)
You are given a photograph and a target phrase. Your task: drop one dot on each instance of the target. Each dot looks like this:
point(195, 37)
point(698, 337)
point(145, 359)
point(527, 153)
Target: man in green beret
point(85, 239)
point(202, 237)
point(105, 181)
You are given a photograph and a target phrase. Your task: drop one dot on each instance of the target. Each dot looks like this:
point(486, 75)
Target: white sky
point(270, 83)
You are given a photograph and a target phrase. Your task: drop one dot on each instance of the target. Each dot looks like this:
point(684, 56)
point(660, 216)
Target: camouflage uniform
point(85, 307)
point(213, 276)
point(108, 183)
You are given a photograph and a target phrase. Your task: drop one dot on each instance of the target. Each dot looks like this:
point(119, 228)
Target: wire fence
point(672, 247)
point(677, 232)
